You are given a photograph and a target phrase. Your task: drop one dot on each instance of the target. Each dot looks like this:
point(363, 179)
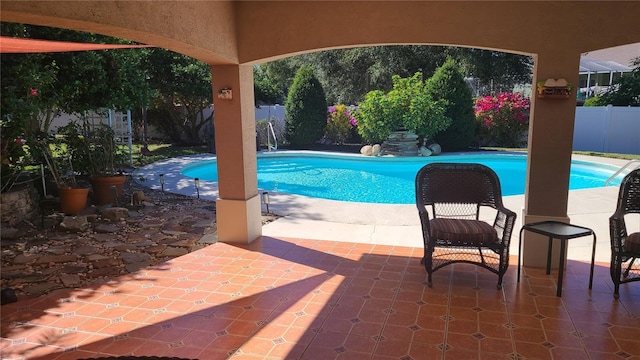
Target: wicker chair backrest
point(457, 183)
point(629, 195)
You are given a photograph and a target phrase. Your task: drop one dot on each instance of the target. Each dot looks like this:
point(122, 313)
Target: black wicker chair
point(452, 199)
point(625, 247)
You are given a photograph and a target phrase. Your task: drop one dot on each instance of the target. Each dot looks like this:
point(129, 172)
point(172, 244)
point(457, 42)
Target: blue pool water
point(384, 180)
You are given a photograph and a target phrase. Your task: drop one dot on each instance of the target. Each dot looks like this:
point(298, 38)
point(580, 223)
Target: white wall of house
point(609, 129)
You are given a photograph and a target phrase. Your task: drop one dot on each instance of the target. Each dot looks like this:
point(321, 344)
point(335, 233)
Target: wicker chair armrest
point(505, 221)
point(617, 231)
point(424, 219)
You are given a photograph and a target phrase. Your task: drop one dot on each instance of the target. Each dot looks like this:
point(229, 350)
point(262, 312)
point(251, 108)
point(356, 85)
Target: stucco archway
point(231, 36)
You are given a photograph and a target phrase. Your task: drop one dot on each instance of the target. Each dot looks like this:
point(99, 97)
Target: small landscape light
point(265, 199)
point(196, 182)
point(162, 182)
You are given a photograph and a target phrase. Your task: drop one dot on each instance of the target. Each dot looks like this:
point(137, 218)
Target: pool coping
point(286, 204)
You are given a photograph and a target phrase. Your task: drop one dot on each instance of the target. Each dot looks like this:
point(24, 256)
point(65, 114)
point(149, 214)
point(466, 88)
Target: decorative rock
point(56, 259)
point(11, 233)
point(134, 216)
point(86, 250)
point(102, 237)
point(144, 243)
point(31, 278)
point(105, 263)
point(185, 243)
point(106, 271)
point(106, 228)
point(155, 249)
point(401, 143)
point(137, 266)
point(74, 223)
point(209, 239)
point(8, 275)
point(96, 257)
point(376, 150)
point(424, 151)
point(133, 237)
point(124, 247)
point(25, 258)
point(158, 237)
point(174, 251)
point(435, 149)
point(151, 224)
point(204, 223)
point(40, 288)
point(74, 269)
point(367, 150)
point(130, 258)
point(70, 280)
point(115, 213)
point(63, 237)
point(173, 233)
point(59, 250)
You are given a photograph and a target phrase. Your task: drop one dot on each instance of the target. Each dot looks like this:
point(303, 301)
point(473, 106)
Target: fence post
point(608, 115)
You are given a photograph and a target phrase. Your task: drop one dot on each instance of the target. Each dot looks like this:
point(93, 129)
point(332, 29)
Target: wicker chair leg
point(617, 271)
point(428, 264)
point(628, 269)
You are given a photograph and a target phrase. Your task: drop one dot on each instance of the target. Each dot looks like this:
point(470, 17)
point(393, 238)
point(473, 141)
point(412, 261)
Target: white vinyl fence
point(609, 129)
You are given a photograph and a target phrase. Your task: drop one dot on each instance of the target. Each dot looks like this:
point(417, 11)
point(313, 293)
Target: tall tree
point(348, 74)
point(265, 90)
point(305, 109)
point(448, 84)
point(183, 93)
point(73, 82)
point(494, 71)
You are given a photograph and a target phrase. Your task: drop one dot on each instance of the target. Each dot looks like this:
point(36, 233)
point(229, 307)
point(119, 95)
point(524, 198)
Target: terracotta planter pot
point(102, 193)
point(73, 200)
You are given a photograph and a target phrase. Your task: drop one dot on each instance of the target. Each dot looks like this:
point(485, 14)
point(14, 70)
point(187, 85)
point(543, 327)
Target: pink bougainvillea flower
point(34, 92)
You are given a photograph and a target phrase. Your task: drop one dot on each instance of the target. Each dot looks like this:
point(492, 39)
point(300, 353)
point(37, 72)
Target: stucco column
point(549, 160)
point(238, 204)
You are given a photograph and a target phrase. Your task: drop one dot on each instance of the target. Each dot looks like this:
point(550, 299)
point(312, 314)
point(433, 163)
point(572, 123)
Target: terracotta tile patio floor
point(312, 299)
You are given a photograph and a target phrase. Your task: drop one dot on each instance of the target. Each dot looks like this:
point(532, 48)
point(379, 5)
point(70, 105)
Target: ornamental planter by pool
point(102, 193)
point(73, 200)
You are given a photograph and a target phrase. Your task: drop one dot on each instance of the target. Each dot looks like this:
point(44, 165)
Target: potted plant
point(94, 152)
point(73, 194)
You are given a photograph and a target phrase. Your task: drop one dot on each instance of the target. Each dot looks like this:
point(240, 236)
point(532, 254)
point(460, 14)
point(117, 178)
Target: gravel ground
point(104, 242)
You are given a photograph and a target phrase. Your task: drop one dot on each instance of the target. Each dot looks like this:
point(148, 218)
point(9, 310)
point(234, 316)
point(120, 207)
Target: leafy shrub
point(503, 119)
point(448, 83)
point(305, 109)
point(593, 101)
point(340, 123)
point(407, 106)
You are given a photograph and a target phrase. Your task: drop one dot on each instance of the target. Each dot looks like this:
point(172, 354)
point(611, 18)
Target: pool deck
point(387, 224)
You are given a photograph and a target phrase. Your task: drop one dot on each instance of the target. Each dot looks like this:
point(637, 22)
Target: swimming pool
point(386, 180)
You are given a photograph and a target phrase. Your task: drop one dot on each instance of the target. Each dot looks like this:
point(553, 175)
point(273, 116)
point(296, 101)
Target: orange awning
point(22, 45)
